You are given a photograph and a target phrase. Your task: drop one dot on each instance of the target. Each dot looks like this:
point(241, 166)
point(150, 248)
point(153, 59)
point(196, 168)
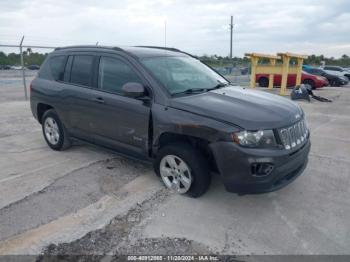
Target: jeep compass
point(165, 106)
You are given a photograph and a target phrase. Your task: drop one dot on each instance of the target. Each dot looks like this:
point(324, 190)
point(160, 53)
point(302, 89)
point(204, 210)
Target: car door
point(121, 122)
point(80, 94)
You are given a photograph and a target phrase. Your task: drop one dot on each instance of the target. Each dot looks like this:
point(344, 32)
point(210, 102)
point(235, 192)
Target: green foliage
point(219, 61)
point(29, 57)
point(344, 60)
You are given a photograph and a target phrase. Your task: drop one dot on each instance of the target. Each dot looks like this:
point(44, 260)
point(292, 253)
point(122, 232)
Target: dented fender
point(171, 120)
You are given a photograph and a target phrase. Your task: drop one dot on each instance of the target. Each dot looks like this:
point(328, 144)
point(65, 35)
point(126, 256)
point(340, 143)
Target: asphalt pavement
point(87, 200)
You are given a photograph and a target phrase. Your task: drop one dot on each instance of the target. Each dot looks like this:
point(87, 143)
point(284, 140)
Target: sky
point(195, 26)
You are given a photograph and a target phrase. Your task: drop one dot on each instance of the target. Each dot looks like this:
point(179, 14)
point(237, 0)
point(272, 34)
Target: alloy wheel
point(51, 130)
point(175, 173)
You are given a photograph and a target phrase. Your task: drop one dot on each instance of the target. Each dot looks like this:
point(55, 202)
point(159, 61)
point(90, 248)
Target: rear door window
point(81, 72)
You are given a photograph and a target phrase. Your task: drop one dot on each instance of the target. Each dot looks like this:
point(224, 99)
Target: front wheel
point(183, 169)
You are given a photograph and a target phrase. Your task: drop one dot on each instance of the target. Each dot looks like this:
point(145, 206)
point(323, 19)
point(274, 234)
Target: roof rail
point(168, 49)
point(89, 46)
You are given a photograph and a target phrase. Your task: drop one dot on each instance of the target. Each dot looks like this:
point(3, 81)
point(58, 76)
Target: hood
point(246, 108)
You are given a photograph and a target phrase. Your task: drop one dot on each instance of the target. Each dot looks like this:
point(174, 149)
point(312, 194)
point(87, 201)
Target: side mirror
point(134, 90)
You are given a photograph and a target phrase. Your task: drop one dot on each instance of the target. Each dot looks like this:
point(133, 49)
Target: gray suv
point(165, 106)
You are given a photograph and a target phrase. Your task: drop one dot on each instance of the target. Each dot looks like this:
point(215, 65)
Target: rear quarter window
point(53, 68)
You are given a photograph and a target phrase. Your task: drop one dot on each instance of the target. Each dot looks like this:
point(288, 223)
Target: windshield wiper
point(219, 85)
point(191, 91)
point(201, 90)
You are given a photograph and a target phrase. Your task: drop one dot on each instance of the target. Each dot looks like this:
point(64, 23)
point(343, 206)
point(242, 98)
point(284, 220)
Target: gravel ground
point(117, 237)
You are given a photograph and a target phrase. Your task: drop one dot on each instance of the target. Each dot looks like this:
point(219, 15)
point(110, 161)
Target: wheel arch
point(201, 144)
point(41, 108)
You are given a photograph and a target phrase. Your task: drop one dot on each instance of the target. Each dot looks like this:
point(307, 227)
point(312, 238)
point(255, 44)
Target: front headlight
point(319, 78)
point(260, 138)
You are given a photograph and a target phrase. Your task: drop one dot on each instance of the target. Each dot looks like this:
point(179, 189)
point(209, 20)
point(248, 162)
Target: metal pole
point(165, 33)
point(231, 32)
point(23, 72)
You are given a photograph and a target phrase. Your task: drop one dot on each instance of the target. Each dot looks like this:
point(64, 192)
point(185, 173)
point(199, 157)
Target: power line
point(29, 46)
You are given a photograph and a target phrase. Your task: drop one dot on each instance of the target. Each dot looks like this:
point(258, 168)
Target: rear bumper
point(33, 107)
point(235, 166)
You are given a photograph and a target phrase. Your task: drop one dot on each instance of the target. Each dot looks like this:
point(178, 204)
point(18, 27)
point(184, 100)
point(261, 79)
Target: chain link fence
point(19, 65)
point(15, 78)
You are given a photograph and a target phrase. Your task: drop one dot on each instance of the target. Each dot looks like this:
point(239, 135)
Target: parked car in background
point(244, 70)
point(338, 70)
point(33, 67)
point(333, 79)
point(16, 67)
point(221, 70)
point(5, 67)
point(306, 78)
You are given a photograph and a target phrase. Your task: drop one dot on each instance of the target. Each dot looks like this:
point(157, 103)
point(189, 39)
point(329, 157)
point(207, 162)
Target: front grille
point(294, 135)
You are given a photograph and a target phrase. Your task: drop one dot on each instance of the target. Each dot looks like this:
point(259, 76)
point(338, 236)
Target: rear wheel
point(54, 131)
point(183, 169)
point(263, 82)
point(310, 83)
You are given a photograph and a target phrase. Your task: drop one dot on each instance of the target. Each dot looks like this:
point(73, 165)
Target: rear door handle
point(98, 100)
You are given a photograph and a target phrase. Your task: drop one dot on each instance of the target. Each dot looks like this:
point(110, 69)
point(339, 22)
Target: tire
point(54, 132)
point(198, 173)
point(334, 82)
point(263, 82)
point(310, 83)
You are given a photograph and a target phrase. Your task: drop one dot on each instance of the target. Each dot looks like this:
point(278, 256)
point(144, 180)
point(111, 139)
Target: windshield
point(179, 74)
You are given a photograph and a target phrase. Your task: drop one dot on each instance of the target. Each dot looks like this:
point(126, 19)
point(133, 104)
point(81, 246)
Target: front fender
point(171, 120)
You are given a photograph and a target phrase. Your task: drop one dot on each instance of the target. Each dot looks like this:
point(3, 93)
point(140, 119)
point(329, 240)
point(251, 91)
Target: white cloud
point(310, 26)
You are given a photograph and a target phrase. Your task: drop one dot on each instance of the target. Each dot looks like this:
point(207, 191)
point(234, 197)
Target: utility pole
point(23, 73)
point(231, 32)
point(165, 33)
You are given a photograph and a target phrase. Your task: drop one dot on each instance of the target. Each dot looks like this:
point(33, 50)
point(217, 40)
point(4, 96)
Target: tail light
point(30, 87)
